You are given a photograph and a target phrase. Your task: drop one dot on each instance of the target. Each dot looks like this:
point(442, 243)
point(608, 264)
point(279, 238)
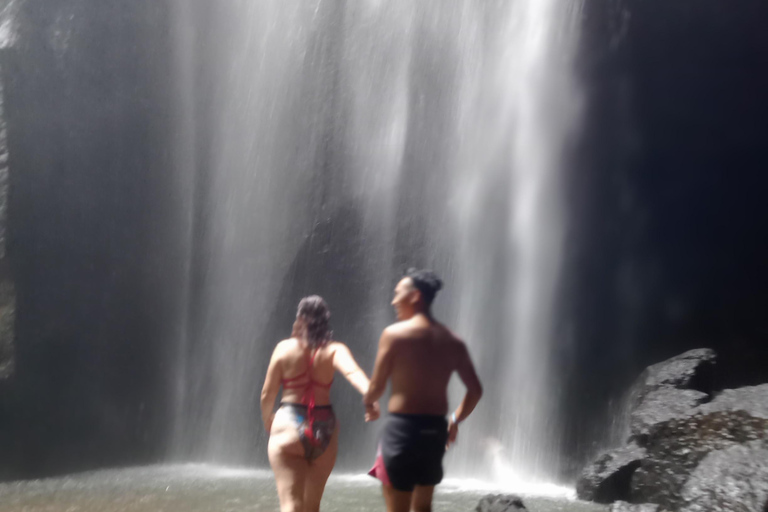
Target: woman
point(303, 434)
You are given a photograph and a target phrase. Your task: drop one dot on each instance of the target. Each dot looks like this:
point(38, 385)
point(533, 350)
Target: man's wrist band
point(453, 418)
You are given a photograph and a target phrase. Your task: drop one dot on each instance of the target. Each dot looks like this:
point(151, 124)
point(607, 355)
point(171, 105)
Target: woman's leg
point(291, 476)
point(286, 456)
point(319, 471)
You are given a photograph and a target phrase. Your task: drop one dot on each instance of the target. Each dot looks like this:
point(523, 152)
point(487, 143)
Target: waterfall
point(524, 96)
point(338, 142)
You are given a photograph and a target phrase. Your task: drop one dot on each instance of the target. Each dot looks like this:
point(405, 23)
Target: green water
point(201, 488)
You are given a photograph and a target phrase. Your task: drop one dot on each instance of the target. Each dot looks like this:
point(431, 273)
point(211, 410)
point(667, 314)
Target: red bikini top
point(311, 383)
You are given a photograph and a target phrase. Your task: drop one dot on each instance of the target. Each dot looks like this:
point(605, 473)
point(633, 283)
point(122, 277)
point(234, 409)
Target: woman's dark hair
point(315, 314)
point(427, 282)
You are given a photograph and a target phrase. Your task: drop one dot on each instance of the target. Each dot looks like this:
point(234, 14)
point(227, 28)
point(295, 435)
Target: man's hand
point(453, 432)
point(372, 411)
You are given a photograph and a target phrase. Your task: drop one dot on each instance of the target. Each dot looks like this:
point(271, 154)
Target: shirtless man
point(419, 354)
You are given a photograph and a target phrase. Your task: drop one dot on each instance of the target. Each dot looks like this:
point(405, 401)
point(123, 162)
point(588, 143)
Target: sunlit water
point(199, 488)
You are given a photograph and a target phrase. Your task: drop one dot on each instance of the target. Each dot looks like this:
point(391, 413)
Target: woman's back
point(303, 432)
point(304, 368)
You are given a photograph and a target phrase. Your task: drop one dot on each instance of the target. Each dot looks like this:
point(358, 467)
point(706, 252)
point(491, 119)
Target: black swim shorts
point(411, 451)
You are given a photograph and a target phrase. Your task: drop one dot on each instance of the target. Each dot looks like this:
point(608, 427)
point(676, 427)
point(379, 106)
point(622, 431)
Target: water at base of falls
point(204, 488)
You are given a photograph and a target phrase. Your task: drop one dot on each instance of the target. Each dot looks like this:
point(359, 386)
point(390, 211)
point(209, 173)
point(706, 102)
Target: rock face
point(687, 452)
point(735, 478)
point(675, 447)
point(500, 503)
point(7, 289)
point(608, 478)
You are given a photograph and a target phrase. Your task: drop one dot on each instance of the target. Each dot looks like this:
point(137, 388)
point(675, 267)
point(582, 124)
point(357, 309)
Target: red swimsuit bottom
point(316, 423)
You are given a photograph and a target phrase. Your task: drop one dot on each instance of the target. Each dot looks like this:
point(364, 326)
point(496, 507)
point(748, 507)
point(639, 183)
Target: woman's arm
point(348, 367)
point(382, 368)
point(271, 389)
point(344, 363)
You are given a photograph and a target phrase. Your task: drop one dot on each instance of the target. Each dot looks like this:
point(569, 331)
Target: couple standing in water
point(418, 354)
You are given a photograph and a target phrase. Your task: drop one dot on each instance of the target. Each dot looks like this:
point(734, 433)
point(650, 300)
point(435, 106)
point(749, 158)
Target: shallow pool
point(198, 488)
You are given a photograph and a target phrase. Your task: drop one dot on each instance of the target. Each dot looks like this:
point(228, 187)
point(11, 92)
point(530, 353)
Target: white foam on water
point(214, 471)
point(505, 480)
point(512, 485)
point(359, 478)
point(506, 483)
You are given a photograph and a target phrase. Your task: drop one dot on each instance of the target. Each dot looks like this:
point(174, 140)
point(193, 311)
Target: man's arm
point(382, 369)
point(271, 389)
point(468, 375)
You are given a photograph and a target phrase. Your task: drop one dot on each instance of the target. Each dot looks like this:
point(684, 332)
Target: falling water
point(527, 103)
point(338, 141)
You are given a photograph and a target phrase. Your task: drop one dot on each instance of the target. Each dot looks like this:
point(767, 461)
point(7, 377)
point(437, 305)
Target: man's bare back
point(424, 355)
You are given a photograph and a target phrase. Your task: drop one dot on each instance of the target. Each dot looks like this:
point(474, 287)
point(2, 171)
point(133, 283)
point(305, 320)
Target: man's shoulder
point(406, 330)
point(398, 330)
point(448, 334)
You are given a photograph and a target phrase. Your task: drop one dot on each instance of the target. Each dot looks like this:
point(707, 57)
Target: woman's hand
point(372, 412)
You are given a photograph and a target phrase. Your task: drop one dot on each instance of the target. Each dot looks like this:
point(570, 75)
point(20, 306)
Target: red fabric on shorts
point(378, 470)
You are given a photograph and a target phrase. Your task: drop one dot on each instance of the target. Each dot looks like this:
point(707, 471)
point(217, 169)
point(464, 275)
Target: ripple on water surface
point(206, 488)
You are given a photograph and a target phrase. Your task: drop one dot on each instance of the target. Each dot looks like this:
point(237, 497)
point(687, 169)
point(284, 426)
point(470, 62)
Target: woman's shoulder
point(334, 346)
point(286, 345)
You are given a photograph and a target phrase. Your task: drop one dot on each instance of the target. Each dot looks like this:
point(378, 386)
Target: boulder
point(691, 370)
point(659, 481)
point(751, 399)
point(608, 478)
point(500, 503)
point(675, 447)
point(735, 478)
point(623, 506)
point(662, 405)
point(681, 439)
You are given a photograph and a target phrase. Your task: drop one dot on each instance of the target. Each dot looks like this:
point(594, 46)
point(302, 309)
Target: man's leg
point(397, 501)
point(422, 498)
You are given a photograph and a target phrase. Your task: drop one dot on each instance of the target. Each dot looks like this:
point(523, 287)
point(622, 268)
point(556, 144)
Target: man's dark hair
point(426, 281)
